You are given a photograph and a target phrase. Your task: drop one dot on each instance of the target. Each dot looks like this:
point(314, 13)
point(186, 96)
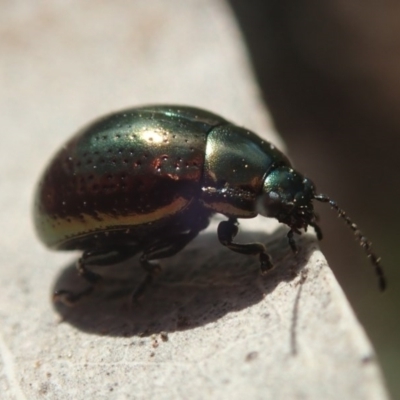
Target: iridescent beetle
point(147, 180)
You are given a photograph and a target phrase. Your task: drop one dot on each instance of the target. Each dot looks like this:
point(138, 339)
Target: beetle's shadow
point(197, 286)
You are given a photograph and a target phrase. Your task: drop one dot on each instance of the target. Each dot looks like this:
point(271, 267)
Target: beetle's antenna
point(362, 240)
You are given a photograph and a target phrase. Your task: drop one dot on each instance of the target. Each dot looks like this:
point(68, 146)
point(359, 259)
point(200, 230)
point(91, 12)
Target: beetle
point(147, 180)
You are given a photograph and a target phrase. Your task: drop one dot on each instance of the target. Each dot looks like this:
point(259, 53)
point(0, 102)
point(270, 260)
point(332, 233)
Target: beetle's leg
point(151, 271)
point(100, 258)
point(317, 230)
point(227, 230)
point(170, 246)
point(291, 241)
point(161, 249)
point(89, 258)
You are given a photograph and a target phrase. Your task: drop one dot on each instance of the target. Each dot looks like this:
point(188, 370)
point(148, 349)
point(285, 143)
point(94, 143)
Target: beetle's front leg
point(227, 230)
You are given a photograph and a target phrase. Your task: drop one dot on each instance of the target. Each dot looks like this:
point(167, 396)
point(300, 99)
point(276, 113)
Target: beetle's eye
point(269, 204)
point(272, 198)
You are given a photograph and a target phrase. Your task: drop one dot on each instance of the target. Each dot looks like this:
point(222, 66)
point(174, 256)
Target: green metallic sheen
point(236, 164)
point(147, 180)
point(139, 171)
point(286, 197)
point(135, 167)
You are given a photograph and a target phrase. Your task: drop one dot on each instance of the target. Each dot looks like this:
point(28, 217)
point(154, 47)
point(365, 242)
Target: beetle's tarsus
point(292, 242)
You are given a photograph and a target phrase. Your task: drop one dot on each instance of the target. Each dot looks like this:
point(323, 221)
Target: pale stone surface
point(210, 327)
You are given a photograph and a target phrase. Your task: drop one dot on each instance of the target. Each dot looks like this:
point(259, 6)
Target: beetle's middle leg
point(163, 248)
point(97, 257)
point(227, 230)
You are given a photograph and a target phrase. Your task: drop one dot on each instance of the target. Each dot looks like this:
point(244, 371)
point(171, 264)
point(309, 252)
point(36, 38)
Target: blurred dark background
point(330, 74)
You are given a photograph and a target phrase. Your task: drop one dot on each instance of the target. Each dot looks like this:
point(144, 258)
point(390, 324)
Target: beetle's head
point(287, 196)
